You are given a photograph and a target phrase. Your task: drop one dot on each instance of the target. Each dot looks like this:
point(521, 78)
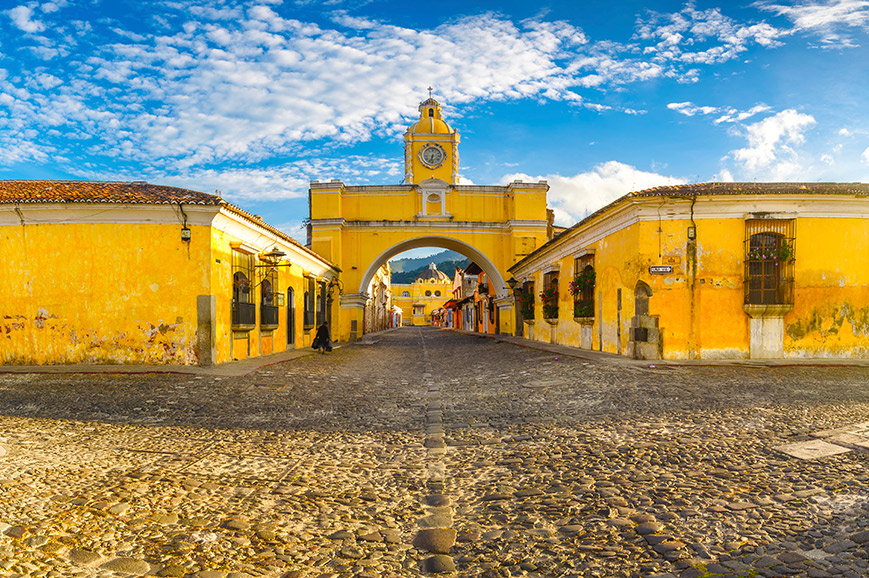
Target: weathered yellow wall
point(831, 302)
point(100, 293)
point(702, 316)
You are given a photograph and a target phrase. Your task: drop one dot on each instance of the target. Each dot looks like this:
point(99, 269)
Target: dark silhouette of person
point(323, 341)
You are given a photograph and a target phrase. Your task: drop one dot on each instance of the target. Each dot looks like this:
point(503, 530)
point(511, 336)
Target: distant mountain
point(407, 270)
point(448, 267)
point(414, 263)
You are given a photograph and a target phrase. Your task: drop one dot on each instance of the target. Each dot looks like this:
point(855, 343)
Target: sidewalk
point(613, 359)
point(229, 369)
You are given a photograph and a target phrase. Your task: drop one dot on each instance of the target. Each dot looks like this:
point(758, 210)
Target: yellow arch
point(360, 227)
point(486, 264)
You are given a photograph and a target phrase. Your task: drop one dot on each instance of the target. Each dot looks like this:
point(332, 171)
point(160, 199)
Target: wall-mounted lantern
point(273, 258)
point(334, 283)
point(185, 233)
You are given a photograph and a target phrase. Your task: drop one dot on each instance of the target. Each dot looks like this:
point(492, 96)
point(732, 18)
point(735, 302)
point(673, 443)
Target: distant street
point(429, 451)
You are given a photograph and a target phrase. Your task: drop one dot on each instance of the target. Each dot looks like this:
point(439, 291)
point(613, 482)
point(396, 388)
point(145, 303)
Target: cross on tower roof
point(429, 91)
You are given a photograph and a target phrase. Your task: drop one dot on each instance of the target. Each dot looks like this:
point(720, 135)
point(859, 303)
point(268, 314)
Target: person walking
point(323, 341)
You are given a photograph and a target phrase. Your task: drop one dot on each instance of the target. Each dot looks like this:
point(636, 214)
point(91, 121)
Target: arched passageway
point(495, 276)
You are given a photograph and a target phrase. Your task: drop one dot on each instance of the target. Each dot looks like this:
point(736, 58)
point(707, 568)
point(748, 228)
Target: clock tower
point(431, 147)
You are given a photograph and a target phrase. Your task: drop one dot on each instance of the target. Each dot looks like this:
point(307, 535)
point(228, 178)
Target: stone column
point(351, 318)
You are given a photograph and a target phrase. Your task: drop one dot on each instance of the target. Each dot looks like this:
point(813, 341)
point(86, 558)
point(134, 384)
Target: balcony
point(268, 316)
point(309, 319)
point(243, 316)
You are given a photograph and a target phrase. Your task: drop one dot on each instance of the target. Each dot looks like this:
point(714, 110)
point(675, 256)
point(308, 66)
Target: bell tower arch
point(431, 147)
point(358, 227)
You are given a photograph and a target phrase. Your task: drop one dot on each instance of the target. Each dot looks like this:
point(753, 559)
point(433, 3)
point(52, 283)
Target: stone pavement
point(429, 451)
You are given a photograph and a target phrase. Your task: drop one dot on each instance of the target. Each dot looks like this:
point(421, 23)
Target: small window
point(526, 300)
point(268, 309)
point(582, 286)
point(431, 113)
point(309, 315)
point(549, 295)
point(437, 293)
point(243, 308)
point(769, 262)
point(428, 293)
point(405, 293)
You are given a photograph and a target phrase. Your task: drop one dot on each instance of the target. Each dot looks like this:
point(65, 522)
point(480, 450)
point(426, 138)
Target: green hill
point(418, 263)
point(448, 267)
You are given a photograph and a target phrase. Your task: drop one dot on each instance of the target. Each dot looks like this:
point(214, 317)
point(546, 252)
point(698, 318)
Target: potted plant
point(778, 252)
point(526, 304)
point(581, 286)
point(549, 297)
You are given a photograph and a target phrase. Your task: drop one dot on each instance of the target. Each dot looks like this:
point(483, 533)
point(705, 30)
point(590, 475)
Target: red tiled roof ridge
point(71, 191)
point(713, 188)
point(128, 192)
point(743, 187)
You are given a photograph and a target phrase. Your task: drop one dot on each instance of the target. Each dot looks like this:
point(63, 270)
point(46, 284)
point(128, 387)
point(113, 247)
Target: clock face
point(432, 155)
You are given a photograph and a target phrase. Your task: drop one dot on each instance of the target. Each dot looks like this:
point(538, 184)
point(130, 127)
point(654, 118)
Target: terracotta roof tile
point(711, 189)
point(756, 189)
point(136, 192)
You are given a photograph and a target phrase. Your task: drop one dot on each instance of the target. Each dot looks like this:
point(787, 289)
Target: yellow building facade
point(139, 273)
point(426, 294)
point(379, 305)
point(710, 271)
point(362, 227)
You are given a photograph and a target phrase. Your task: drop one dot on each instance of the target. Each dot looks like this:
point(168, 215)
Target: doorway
point(291, 317)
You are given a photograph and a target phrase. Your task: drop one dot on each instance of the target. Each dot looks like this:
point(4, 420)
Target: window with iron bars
point(321, 303)
point(309, 315)
point(268, 316)
point(526, 298)
point(769, 261)
point(584, 279)
point(549, 295)
point(243, 308)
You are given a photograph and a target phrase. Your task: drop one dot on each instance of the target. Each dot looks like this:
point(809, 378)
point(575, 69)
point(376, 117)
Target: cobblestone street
point(431, 451)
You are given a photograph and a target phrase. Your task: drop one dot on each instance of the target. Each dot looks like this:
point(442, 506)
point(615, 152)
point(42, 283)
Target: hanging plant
point(581, 282)
point(778, 252)
point(526, 304)
point(241, 283)
point(549, 297)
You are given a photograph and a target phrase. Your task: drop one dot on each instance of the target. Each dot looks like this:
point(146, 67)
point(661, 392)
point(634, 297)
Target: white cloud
point(283, 83)
point(865, 156)
point(824, 17)
point(694, 36)
point(296, 229)
point(725, 176)
point(771, 139)
point(572, 198)
point(690, 109)
point(22, 17)
point(844, 132)
point(728, 114)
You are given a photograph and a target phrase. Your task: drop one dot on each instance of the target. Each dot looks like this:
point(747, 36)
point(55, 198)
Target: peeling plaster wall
point(701, 310)
point(101, 293)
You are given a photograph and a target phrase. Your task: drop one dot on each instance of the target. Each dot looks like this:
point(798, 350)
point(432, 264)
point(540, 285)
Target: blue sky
point(255, 99)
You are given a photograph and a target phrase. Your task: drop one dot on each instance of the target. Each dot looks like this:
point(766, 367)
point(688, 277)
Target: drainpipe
point(692, 282)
